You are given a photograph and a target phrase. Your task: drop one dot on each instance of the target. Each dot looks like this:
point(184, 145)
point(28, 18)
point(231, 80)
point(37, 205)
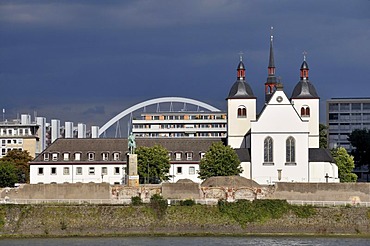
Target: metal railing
point(330, 203)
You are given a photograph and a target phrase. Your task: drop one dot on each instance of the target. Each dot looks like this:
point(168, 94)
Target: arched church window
point(242, 112)
point(268, 150)
point(290, 150)
point(305, 111)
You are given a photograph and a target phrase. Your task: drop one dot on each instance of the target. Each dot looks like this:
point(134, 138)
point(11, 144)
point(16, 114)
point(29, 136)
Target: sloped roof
point(320, 155)
point(243, 154)
point(304, 90)
point(240, 90)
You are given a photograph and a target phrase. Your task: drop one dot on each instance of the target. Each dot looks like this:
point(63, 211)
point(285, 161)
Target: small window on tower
point(242, 112)
point(305, 111)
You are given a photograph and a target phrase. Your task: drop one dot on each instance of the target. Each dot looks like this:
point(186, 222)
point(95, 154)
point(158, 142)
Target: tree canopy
point(345, 164)
point(153, 164)
point(219, 160)
point(360, 140)
point(20, 159)
point(323, 141)
point(8, 174)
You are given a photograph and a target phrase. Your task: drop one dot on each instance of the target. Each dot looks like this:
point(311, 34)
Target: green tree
point(8, 174)
point(20, 159)
point(323, 141)
point(153, 163)
point(345, 164)
point(219, 160)
point(360, 140)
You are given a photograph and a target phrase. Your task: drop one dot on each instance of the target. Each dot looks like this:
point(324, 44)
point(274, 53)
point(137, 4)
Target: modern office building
point(343, 115)
point(180, 124)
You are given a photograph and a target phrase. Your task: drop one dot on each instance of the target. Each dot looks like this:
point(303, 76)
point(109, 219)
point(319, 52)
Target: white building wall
point(68, 130)
point(55, 130)
point(25, 119)
point(237, 128)
point(73, 177)
point(314, 121)
point(279, 121)
point(81, 130)
point(41, 133)
point(246, 166)
point(318, 171)
point(186, 172)
point(94, 131)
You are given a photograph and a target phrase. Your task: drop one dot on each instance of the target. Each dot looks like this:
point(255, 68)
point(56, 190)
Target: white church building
point(281, 144)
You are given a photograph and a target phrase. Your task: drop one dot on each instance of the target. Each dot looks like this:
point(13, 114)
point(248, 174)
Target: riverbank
point(196, 220)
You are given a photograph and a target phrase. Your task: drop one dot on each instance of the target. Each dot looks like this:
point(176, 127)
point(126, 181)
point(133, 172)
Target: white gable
point(279, 115)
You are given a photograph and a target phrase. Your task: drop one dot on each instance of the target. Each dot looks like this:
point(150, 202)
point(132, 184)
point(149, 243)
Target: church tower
point(241, 109)
point(270, 85)
point(306, 102)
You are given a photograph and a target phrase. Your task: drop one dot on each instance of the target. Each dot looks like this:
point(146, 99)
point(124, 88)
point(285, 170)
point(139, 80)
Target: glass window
point(268, 150)
point(191, 170)
point(77, 156)
point(66, 170)
point(105, 156)
point(79, 170)
point(104, 171)
point(53, 171)
point(179, 170)
point(178, 156)
point(356, 106)
point(333, 106)
point(46, 156)
point(90, 156)
point(189, 156)
point(55, 156)
point(66, 156)
point(242, 112)
point(116, 156)
point(290, 150)
point(91, 170)
point(40, 171)
point(116, 170)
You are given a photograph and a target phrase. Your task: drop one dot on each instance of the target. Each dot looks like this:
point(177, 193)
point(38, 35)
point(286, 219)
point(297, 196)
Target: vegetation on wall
point(323, 140)
point(219, 160)
point(345, 164)
point(153, 164)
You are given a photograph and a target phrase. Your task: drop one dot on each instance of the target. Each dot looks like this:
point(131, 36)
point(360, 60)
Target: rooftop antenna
point(3, 114)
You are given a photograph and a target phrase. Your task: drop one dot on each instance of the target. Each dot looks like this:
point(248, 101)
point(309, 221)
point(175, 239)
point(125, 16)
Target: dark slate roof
point(114, 145)
point(320, 155)
point(304, 65)
point(241, 90)
point(243, 154)
point(304, 90)
point(241, 65)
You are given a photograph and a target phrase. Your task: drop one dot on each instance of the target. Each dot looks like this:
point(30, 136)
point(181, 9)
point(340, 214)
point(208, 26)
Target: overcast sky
point(86, 61)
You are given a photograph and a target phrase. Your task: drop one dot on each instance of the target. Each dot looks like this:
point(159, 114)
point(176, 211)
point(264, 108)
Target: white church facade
point(281, 144)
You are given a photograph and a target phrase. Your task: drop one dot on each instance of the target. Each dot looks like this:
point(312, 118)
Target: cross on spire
point(304, 55)
point(241, 55)
point(271, 33)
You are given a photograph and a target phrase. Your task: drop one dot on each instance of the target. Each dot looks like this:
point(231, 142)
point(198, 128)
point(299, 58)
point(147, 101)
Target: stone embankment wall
point(97, 220)
point(357, 192)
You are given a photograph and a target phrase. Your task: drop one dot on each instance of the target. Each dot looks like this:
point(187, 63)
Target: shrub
point(188, 202)
point(136, 201)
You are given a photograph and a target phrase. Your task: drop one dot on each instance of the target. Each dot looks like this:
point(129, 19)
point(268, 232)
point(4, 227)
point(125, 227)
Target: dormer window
point(54, 156)
point(105, 156)
point(178, 156)
point(77, 156)
point(116, 156)
point(189, 156)
point(66, 156)
point(90, 156)
point(46, 156)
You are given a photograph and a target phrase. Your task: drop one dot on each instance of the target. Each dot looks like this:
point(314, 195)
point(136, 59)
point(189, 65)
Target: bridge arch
point(151, 102)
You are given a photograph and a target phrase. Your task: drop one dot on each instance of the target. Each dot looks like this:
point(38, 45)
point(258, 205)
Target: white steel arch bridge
point(157, 101)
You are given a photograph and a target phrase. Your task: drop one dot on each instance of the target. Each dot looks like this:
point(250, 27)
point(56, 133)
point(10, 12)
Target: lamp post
point(102, 177)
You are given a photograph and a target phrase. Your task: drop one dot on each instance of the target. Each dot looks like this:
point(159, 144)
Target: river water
point(187, 241)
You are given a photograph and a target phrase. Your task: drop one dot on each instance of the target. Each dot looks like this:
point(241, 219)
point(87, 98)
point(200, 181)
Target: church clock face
point(279, 99)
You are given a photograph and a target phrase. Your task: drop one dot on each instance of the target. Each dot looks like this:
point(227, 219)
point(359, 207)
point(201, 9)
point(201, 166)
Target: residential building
point(104, 160)
point(180, 124)
point(343, 115)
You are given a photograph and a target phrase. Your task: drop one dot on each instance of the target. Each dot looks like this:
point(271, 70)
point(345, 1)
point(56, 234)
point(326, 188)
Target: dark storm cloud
point(110, 54)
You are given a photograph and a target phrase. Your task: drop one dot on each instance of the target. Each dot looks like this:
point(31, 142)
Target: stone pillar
point(133, 177)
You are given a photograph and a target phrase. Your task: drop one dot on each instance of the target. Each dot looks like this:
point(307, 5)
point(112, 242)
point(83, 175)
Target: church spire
point(304, 67)
point(270, 85)
point(241, 68)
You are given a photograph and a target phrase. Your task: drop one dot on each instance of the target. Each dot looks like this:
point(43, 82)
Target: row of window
point(348, 106)
point(4, 142)
point(182, 117)
point(269, 150)
point(242, 111)
point(105, 156)
point(79, 171)
point(179, 170)
point(12, 132)
point(6, 150)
